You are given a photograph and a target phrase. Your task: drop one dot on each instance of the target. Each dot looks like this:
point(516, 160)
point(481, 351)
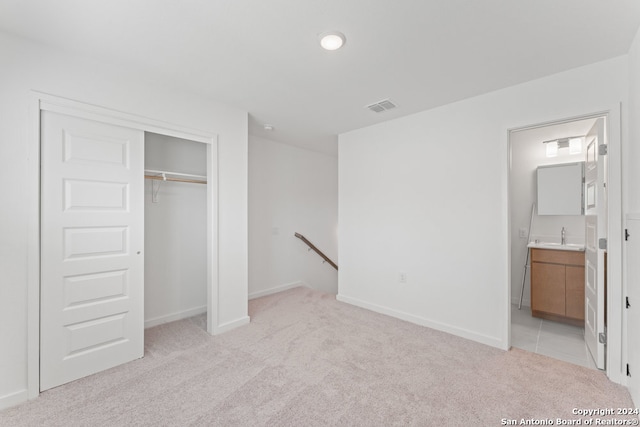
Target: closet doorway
point(86, 287)
point(175, 225)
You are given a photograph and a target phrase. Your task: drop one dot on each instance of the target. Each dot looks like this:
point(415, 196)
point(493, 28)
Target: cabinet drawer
point(557, 257)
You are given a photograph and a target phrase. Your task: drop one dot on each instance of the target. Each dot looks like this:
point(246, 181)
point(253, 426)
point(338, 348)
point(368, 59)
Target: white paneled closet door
point(92, 237)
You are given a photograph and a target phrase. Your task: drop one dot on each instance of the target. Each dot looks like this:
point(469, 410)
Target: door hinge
point(626, 234)
point(602, 243)
point(626, 302)
point(602, 149)
point(628, 371)
point(602, 338)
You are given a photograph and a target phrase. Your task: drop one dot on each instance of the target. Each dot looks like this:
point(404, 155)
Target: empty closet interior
point(175, 229)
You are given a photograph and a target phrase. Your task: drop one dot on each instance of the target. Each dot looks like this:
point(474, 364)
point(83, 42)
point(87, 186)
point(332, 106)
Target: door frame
point(46, 102)
point(615, 357)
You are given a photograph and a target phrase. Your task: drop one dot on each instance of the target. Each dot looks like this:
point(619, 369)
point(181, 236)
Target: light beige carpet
point(307, 360)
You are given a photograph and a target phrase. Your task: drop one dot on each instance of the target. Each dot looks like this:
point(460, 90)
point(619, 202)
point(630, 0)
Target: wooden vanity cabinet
point(557, 285)
point(574, 303)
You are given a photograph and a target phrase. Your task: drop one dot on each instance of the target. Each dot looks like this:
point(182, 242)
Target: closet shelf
point(174, 176)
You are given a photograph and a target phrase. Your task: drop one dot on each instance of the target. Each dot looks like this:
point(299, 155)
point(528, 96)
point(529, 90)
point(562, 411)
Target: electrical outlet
point(402, 277)
point(522, 233)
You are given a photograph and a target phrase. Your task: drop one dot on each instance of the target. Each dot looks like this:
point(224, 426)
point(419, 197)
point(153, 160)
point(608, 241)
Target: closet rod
point(185, 175)
point(159, 178)
point(163, 176)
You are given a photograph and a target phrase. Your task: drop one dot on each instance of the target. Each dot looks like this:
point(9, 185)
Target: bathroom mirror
point(560, 189)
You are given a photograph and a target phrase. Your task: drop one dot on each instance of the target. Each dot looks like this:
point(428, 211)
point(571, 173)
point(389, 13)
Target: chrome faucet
point(563, 240)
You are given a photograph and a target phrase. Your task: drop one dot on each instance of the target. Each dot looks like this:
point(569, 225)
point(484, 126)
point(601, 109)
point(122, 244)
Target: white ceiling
point(263, 55)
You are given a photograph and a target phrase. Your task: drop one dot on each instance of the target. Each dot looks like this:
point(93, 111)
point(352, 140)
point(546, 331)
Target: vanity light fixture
point(551, 148)
point(268, 127)
point(573, 143)
point(332, 40)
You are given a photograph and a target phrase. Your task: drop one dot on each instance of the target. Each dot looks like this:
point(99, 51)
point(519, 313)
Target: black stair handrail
point(318, 251)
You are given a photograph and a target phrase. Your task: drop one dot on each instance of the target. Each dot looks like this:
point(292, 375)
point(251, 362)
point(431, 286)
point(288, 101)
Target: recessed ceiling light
point(332, 40)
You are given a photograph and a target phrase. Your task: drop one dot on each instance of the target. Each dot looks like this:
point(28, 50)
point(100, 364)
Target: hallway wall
point(291, 190)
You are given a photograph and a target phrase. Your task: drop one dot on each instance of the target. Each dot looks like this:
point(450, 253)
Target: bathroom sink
point(557, 246)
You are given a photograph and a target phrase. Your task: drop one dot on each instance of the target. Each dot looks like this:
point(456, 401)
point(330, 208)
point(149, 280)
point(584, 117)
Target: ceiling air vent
point(381, 106)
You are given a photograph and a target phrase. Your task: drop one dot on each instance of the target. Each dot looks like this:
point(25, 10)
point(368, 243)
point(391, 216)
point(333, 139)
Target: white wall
point(25, 66)
point(175, 232)
point(632, 185)
point(291, 190)
point(527, 153)
point(632, 159)
point(427, 195)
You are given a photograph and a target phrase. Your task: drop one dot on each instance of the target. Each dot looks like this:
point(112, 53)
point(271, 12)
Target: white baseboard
point(225, 327)
point(453, 330)
point(276, 289)
point(13, 399)
point(155, 321)
point(525, 301)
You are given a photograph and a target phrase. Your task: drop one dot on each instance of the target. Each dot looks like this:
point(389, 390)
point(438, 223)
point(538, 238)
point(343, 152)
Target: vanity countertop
point(576, 247)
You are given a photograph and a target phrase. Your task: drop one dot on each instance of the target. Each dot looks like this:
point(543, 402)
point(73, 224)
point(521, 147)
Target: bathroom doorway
point(549, 245)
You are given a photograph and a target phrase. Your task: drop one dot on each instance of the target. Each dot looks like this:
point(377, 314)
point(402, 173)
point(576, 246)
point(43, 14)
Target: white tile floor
point(553, 339)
